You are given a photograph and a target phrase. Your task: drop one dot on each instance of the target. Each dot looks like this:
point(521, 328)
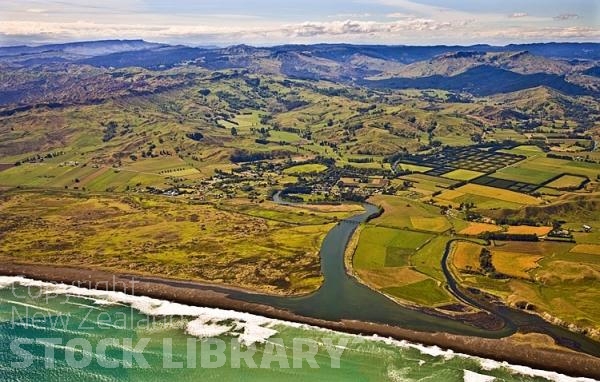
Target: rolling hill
point(479, 70)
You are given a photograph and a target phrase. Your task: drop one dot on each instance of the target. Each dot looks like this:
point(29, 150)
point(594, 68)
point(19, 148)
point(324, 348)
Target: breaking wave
point(251, 329)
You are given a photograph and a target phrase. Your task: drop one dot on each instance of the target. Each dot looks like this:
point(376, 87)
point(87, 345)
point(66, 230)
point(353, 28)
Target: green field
point(380, 247)
point(403, 264)
point(413, 167)
point(440, 182)
point(426, 292)
point(542, 168)
point(405, 213)
point(527, 150)
point(429, 259)
point(527, 174)
point(462, 174)
point(305, 169)
point(480, 198)
point(566, 182)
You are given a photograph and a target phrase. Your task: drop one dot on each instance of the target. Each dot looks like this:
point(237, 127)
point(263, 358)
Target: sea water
point(56, 332)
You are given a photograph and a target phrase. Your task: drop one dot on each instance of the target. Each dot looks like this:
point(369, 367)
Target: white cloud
point(331, 28)
point(400, 15)
point(566, 16)
point(353, 27)
point(518, 15)
point(408, 30)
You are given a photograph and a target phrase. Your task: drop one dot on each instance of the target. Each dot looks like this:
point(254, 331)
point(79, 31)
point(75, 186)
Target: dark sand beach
point(198, 294)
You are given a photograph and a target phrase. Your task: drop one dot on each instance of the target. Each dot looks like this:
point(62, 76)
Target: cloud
point(353, 27)
point(566, 16)
point(518, 15)
point(408, 30)
point(400, 15)
point(306, 29)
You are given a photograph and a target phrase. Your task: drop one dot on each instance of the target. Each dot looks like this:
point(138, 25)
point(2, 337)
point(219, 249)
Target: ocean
point(56, 332)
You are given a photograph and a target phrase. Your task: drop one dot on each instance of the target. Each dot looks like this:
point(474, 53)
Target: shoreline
point(197, 294)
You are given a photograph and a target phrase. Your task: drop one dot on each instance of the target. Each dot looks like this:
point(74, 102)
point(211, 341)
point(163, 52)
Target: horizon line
point(229, 45)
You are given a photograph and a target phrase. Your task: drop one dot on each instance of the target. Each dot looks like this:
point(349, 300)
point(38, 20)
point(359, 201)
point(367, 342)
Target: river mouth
point(80, 315)
point(341, 303)
point(342, 297)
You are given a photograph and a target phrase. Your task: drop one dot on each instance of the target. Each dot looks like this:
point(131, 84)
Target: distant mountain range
point(481, 70)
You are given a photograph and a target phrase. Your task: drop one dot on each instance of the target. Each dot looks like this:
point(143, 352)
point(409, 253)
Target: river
point(340, 297)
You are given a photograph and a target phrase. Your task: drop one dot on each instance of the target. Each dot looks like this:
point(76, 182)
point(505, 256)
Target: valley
point(478, 167)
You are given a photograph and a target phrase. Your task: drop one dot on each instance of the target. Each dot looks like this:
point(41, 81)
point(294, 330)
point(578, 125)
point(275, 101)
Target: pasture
point(591, 249)
point(430, 224)
point(381, 278)
point(380, 247)
point(409, 214)
point(567, 182)
point(475, 229)
point(515, 264)
point(528, 230)
point(558, 278)
point(526, 150)
point(559, 166)
point(458, 196)
point(305, 169)
point(404, 264)
point(426, 292)
point(526, 175)
point(465, 255)
point(413, 167)
point(425, 184)
point(499, 194)
point(462, 175)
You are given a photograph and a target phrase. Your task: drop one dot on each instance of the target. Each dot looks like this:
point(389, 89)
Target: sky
point(271, 22)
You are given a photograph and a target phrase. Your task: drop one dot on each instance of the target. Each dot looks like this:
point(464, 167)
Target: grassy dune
point(163, 237)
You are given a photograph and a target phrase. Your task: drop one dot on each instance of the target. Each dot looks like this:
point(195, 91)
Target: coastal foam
point(251, 328)
point(471, 376)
